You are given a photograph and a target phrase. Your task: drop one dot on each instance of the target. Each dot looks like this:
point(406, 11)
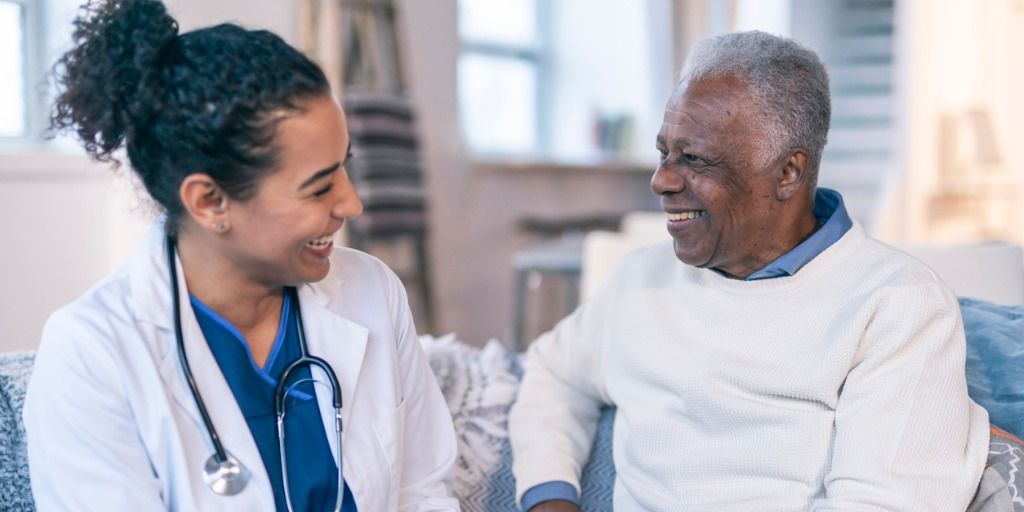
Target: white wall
point(64, 224)
point(964, 179)
point(278, 16)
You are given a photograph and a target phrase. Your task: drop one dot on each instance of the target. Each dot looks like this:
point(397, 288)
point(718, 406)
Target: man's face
point(720, 197)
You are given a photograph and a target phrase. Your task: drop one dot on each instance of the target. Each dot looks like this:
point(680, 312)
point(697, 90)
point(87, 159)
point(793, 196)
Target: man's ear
point(793, 176)
point(205, 202)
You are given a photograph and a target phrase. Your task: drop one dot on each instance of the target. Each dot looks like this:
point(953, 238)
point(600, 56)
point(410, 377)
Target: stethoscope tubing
point(220, 455)
point(281, 394)
point(218, 447)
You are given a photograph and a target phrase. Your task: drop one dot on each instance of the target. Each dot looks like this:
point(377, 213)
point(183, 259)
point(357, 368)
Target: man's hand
point(555, 506)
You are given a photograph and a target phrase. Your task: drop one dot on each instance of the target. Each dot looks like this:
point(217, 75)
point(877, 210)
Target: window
point(12, 64)
point(564, 80)
point(33, 33)
point(498, 75)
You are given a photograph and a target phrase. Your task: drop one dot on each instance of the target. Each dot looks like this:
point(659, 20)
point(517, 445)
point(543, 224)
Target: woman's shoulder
point(355, 269)
point(86, 336)
point(102, 306)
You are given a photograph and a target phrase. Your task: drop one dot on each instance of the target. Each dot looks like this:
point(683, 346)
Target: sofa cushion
point(15, 493)
point(995, 361)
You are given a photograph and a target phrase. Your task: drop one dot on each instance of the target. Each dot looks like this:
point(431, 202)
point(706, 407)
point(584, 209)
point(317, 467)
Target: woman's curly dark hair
point(204, 101)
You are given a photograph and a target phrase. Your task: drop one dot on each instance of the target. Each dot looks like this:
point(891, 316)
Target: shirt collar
point(835, 222)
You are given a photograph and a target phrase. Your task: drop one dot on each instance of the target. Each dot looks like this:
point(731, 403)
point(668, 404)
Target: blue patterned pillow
point(598, 478)
point(995, 361)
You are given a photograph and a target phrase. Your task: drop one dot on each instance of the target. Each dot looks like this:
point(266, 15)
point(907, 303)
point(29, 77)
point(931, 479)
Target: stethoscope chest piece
point(227, 477)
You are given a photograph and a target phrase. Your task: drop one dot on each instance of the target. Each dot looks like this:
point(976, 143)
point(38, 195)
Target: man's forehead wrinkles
point(679, 118)
point(677, 136)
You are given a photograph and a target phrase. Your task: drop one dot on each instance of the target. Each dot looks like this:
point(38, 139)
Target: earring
point(219, 226)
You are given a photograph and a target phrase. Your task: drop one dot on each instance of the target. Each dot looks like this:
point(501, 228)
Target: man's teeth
point(686, 215)
point(321, 242)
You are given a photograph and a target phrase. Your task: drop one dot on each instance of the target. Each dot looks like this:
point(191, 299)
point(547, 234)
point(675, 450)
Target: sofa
point(480, 385)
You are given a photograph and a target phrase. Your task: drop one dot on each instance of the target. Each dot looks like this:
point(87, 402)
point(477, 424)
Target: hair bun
point(117, 51)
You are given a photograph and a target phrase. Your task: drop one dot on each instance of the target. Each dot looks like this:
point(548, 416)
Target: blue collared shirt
point(835, 222)
point(312, 472)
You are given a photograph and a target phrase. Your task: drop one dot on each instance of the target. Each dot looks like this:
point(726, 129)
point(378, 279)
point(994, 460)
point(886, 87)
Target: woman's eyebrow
point(320, 174)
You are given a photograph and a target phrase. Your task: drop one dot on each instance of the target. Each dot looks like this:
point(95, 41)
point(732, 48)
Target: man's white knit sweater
point(839, 388)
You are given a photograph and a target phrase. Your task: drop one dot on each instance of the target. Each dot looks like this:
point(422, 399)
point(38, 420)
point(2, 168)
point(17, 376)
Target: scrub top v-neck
point(312, 472)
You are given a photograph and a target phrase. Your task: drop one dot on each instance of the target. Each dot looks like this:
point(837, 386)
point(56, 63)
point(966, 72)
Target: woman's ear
point(794, 175)
point(205, 202)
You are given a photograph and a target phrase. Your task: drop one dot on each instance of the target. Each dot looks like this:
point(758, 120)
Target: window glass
point(504, 22)
point(12, 68)
point(498, 102)
point(577, 81)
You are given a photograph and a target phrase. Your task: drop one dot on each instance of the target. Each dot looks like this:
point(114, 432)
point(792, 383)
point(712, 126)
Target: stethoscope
point(223, 473)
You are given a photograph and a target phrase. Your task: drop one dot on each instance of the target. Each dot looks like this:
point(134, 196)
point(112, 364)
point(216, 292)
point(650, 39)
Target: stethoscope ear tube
point(220, 453)
point(222, 473)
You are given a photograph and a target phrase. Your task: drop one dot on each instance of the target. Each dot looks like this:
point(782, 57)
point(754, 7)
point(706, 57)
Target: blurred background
point(524, 124)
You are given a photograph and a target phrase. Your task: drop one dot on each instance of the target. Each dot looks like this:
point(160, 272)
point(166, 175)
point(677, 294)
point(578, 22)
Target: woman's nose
point(348, 204)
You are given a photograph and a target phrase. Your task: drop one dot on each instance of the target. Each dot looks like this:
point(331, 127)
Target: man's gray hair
point(788, 83)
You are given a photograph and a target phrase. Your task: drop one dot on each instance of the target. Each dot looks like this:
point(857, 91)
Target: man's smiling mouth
point(689, 215)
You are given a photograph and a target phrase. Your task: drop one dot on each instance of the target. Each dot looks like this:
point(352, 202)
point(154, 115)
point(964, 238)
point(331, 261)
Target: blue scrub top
point(312, 473)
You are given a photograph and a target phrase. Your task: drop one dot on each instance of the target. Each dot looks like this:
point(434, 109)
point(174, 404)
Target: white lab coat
point(111, 424)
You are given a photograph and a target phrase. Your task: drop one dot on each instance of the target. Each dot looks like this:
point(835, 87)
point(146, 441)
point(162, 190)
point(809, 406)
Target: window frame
point(34, 78)
point(537, 55)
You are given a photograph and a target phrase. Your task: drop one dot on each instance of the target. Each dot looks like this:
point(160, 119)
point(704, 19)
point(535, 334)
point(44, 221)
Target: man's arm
point(553, 421)
point(907, 437)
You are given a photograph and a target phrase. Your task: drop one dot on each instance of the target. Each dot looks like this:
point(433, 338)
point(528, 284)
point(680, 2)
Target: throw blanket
point(480, 386)
point(15, 494)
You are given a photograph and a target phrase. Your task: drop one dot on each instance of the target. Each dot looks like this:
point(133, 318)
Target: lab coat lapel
point(342, 344)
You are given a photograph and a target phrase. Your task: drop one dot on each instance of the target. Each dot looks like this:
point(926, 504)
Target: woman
point(159, 389)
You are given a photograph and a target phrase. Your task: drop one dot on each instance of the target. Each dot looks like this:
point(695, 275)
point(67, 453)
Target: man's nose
point(666, 181)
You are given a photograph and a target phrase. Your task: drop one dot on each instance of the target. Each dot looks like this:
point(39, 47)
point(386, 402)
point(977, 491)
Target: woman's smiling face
point(283, 234)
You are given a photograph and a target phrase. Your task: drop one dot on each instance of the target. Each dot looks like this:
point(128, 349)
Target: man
point(775, 357)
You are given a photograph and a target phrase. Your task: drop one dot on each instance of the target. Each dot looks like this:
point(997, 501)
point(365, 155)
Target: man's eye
point(663, 153)
point(322, 192)
point(691, 158)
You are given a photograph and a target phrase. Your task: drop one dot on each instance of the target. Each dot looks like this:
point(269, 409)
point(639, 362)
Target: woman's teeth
point(686, 215)
point(321, 242)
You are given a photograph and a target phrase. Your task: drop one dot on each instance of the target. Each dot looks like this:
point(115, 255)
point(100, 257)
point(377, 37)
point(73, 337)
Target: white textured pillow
point(479, 385)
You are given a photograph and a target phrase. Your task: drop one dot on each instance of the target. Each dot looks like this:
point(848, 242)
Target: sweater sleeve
point(907, 437)
point(553, 421)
